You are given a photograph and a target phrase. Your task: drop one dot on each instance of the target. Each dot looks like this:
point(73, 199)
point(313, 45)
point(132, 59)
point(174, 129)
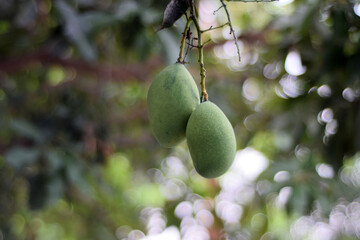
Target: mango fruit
point(211, 140)
point(172, 97)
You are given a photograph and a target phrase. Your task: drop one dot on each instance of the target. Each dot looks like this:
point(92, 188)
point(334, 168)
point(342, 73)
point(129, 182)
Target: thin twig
point(208, 41)
point(182, 45)
point(213, 28)
point(192, 45)
point(231, 28)
point(252, 1)
point(218, 9)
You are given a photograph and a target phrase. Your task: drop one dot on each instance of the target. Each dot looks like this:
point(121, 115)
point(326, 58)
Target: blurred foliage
point(77, 157)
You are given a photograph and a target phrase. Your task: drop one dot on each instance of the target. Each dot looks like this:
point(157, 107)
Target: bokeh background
point(78, 159)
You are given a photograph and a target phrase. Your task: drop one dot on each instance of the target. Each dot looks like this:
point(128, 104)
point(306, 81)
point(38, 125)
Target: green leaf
point(26, 129)
point(126, 8)
point(148, 194)
point(55, 159)
point(118, 171)
point(74, 31)
point(94, 21)
point(55, 189)
point(300, 198)
point(20, 157)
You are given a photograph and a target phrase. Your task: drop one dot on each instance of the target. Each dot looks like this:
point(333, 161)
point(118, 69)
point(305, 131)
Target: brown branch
point(145, 140)
point(118, 72)
point(137, 114)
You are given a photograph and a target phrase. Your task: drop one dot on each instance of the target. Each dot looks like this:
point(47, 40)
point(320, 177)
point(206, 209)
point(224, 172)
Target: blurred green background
point(77, 157)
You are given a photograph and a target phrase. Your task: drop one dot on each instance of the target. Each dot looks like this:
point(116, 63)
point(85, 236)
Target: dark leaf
point(173, 11)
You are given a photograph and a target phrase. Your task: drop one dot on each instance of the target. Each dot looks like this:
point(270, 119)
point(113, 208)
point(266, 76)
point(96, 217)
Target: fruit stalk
point(204, 95)
point(182, 45)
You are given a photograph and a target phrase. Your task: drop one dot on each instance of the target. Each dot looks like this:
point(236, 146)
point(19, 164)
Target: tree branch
point(204, 94)
point(102, 71)
point(231, 28)
point(252, 1)
point(213, 28)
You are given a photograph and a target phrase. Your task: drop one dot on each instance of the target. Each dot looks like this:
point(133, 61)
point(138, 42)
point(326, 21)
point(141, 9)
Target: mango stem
point(182, 45)
point(204, 94)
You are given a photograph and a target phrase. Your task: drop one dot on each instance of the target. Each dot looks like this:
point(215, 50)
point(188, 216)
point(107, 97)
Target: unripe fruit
point(211, 140)
point(172, 97)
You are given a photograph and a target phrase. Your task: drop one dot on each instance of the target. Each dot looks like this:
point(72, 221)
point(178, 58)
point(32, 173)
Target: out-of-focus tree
point(77, 157)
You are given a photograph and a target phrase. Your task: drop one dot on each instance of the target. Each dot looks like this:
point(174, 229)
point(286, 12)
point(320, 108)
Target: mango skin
point(211, 140)
point(172, 97)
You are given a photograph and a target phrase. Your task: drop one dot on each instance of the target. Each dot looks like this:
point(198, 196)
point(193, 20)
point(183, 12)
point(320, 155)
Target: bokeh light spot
point(349, 94)
point(293, 64)
point(324, 91)
point(251, 90)
point(282, 176)
point(357, 9)
point(184, 209)
point(325, 170)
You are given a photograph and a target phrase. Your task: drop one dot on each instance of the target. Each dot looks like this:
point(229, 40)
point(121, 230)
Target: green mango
point(172, 97)
point(211, 140)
